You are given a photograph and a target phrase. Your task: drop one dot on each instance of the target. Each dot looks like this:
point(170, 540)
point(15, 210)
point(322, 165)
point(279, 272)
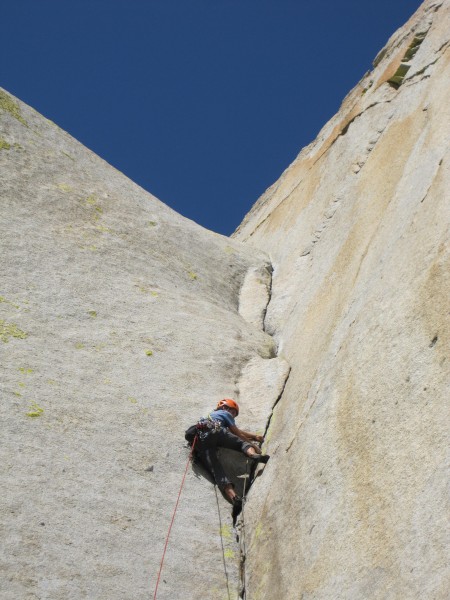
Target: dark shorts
point(206, 452)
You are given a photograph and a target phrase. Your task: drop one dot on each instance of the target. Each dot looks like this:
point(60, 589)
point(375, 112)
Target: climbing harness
point(207, 426)
point(173, 517)
point(202, 429)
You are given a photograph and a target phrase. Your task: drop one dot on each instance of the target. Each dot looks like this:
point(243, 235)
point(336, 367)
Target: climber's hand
point(259, 438)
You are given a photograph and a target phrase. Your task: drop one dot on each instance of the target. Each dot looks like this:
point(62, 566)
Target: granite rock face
point(354, 501)
point(325, 316)
point(119, 327)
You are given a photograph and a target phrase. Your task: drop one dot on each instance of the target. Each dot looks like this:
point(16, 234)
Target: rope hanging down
point(221, 543)
point(173, 517)
point(242, 546)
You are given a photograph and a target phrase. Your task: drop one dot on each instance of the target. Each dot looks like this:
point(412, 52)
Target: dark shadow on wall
point(240, 470)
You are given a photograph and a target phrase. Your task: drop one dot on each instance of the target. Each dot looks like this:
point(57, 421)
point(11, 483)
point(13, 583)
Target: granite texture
point(354, 502)
point(326, 316)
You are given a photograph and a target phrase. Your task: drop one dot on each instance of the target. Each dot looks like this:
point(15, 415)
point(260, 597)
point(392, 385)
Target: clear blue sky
point(201, 102)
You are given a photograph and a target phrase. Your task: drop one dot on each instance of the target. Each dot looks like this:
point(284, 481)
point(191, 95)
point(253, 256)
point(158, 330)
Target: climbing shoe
point(237, 508)
point(261, 458)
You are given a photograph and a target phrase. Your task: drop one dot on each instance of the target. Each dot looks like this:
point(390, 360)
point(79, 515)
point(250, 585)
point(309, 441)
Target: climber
point(219, 430)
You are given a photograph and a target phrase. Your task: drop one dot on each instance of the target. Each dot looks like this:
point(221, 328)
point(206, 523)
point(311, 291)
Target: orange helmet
point(230, 403)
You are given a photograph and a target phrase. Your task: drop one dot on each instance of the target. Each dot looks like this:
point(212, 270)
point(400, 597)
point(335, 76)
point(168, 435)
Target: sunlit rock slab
point(353, 503)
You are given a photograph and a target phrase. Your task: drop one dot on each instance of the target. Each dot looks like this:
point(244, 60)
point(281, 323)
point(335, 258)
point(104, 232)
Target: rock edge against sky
point(121, 322)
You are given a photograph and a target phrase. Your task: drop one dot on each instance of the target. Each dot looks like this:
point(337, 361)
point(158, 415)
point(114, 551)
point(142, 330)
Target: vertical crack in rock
point(277, 401)
point(432, 181)
point(135, 310)
point(241, 537)
point(411, 80)
point(263, 380)
point(377, 269)
point(269, 298)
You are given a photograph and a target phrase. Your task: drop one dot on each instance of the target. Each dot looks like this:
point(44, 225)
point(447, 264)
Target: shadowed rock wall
point(353, 503)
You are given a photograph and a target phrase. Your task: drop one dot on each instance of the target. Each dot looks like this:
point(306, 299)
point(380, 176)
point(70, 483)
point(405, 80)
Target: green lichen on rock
point(103, 229)
point(146, 290)
point(9, 330)
point(6, 301)
point(414, 46)
point(35, 410)
point(397, 79)
point(92, 201)
point(25, 370)
point(225, 532)
point(4, 144)
point(10, 106)
point(64, 187)
point(92, 313)
point(149, 352)
point(193, 276)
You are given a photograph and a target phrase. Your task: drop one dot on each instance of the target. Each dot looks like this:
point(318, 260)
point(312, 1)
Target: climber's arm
point(247, 436)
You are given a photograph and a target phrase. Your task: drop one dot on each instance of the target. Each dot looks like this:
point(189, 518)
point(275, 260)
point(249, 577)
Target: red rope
point(173, 517)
